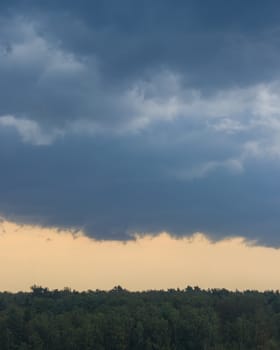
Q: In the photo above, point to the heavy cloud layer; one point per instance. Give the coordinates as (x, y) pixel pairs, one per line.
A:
(121, 117)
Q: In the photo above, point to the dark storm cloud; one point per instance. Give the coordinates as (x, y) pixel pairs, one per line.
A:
(113, 188)
(212, 44)
(124, 117)
(209, 42)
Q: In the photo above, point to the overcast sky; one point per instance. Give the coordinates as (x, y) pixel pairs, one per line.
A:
(125, 117)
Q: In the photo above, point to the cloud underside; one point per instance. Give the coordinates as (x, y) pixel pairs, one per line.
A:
(116, 125)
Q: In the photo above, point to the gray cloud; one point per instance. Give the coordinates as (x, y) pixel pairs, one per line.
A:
(113, 187)
(141, 118)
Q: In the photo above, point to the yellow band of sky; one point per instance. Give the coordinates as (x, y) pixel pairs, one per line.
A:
(33, 255)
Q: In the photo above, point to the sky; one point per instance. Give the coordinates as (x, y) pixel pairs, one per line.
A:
(134, 123)
(31, 255)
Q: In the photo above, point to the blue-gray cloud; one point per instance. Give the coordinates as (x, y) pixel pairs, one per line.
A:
(120, 118)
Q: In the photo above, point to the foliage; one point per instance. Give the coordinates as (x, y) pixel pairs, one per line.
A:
(120, 320)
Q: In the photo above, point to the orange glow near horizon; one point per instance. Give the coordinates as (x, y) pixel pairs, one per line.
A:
(32, 255)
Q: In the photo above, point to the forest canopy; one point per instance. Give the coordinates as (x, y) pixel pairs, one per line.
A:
(121, 320)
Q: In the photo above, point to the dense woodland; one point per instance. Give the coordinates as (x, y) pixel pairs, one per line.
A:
(120, 320)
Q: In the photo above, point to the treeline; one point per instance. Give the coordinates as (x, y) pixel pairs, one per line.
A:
(120, 320)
